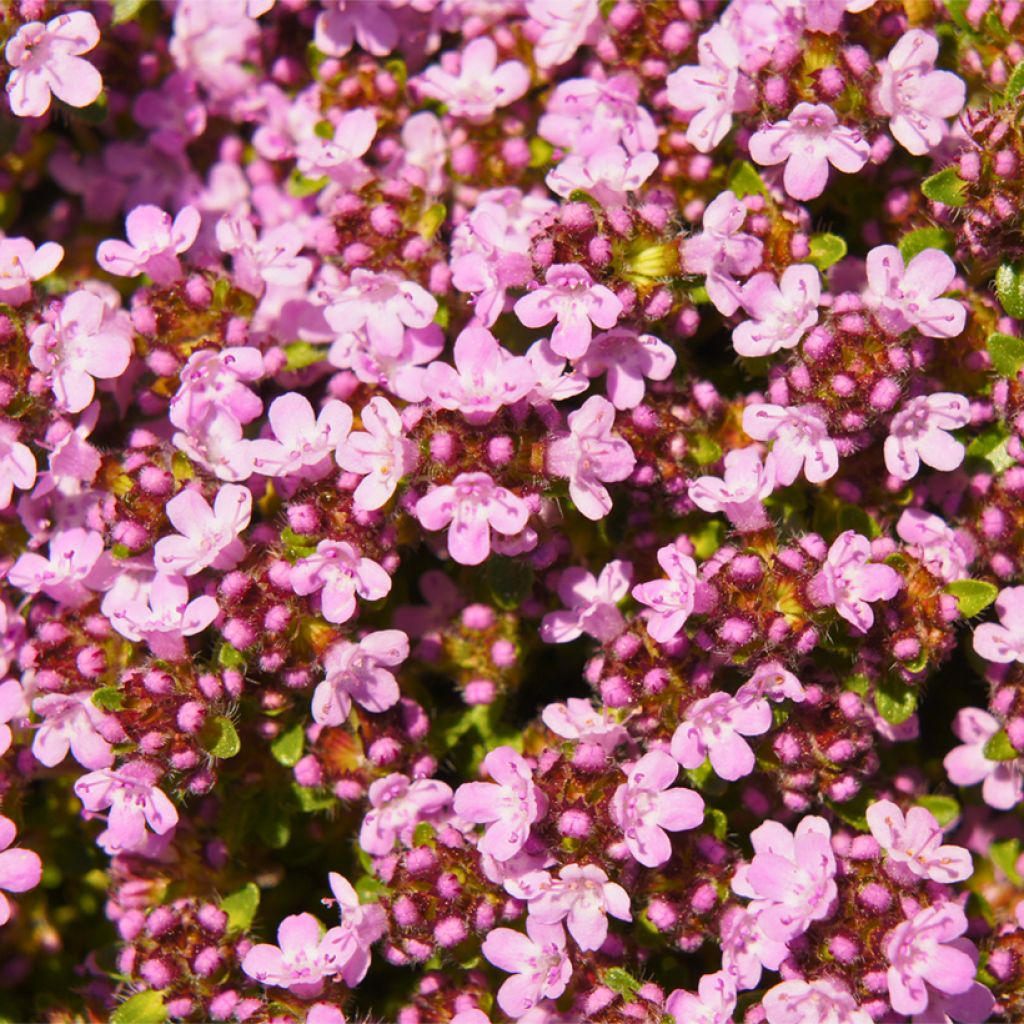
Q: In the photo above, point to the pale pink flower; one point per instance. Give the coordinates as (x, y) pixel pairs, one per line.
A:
(135, 801)
(722, 251)
(927, 951)
(801, 441)
(365, 923)
(915, 96)
(713, 1004)
(396, 808)
(791, 879)
(76, 567)
(849, 580)
(302, 959)
(81, 339)
(71, 721)
(17, 463)
(945, 552)
(782, 313)
(21, 263)
(569, 296)
(821, 1001)
(771, 681)
(508, 806)
(272, 258)
(216, 443)
(73, 461)
(740, 493)
(537, 961)
(673, 600)
(713, 727)
(206, 536)
(304, 441)
(914, 841)
(577, 719)
(551, 382)
(486, 377)
(645, 806)
(592, 604)
(20, 870)
(810, 140)
(359, 671)
(473, 505)
(481, 85)
(381, 454)
(215, 381)
(711, 91)
(338, 157)
(627, 357)
(607, 175)
(153, 246)
(1003, 643)
(565, 25)
(967, 764)
(13, 705)
(47, 59)
(906, 298)
(174, 113)
(919, 433)
(341, 572)
(383, 305)
(344, 22)
(591, 455)
(583, 897)
(746, 950)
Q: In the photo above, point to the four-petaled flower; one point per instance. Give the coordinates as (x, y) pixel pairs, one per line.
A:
(577, 719)
(607, 175)
(782, 313)
(919, 433)
(713, 1004)
(946, 552)
(914, 840)
(364, 922)
(153, 246)
(747, 482)
(21, 263)
(673, 600)
(381, 454)
(73, 722)
(206, 536)
(906, 297)
(583, 897)
(591, 604)
(714, 727)
(20, 870)
(627, 357)
(356, 671)
(1003, 642)
(801, 1002)
(341, 572)
(304, 442)
(537, 961)
(396, 807)
(77, 565)
(801, 441)
(302, 959)
(967, 764)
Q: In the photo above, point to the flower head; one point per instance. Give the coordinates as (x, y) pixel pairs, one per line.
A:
(381, 454)
(672, 600)
(154, 243)
(915, 841)
(583, 897)
(919, 433)
(359, 671)
(338, 570)
(747, 482)
(849, 580)
(801, 441)
(782, 313)
(967, 764)
(396, 807)
(592, 604)
(906, 297)
(714, 727)
(206, 536)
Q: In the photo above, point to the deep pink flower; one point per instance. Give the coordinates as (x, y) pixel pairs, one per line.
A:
(537, 961)
(359, 671)
(480, 87)
(627, 357)
(73, 722)
(1003, 643)
(714, 727)
(713, 1004)
(570, 296)
(304, 441)
(341, 572)
(782, 313)
(740, 494)
(17, 464)
(76, 567)
(592, 604)
(801, 441)
(206, 536)
(919, 433)
(345, 22)
(914, 840)
(472, 505)
(583, 897)
(153, 246)
(645, 806)
(909, 297)
(381, 454)
(20, 870)
(967, 764)
(576, 719)
(946, 552)
(671, 601)
(590, 455)
(607, 175)
(802, 1002)
(396, 807)
(301, 960)
(21, 263)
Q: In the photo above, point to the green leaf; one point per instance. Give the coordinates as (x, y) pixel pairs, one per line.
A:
(230, 657)
(220, 738)
(925, 238)
(945, 809)
(275, 828)
(241, 907)
(707, 539)
(718, 821)
(142, 1008)
(621, 981)
(312, 800)
(94, 113)
(126, 10)
(1006, 353)
(999, 748)
(1004, 855)
(510, 581)
(895, 701)
(945, 187)
(1010, 289)
(108, 698)
(423, 834)
(431, 220)
(541, 152)
(1015, 85)
(704, 450)
(287, 748)
(745, 181)
(972, 596)
(854, 811)
(827, 249)
(301, 354)
(299, 186)
(992, 446)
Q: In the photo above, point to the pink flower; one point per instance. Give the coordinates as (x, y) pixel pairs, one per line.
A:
(809, 141)
(357, 671)
(304, 441)
(76, 567)
(21, 263)
(300, 961)
(383, 305)
(945, 552)
(607, 175)
(746, 950)
(918, 433)
(712, 91)
(349, 21)
(72, 721)
(164, 617)
(20, 870)
(592, 604)
(82, 341)
(967, 764)
(583, 897)
(551, 382)
(473, 505)
(791, 878)
(644, 807)
(915, 96)
(46, 59)
(215, 381)
(153, 245)
(849, 580)
(772, 681)
(341, 572)
(673, 600)
(217, 445)
(272, 259)
(508, 806)
(924, 952)
(713, 1004)
(801, 1002)
(135, 801)
(12, 704)
(714, 727)
(722, 252)
(338, 156)
(366, 923)
(906, 298)
(481, 86)
(17, 464)
(381, 454)
(537, 961)
(565, 25)
(576, 719)
(627, 357)
(590, 455)
(396, 807)
(206, 536)
(740, 494)
(782, 313)
(801, 441)
(1003, 643)
(486, 377)
(915, 841)
(569, 296)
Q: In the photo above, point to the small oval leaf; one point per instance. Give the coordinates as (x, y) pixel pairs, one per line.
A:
(972, 596)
